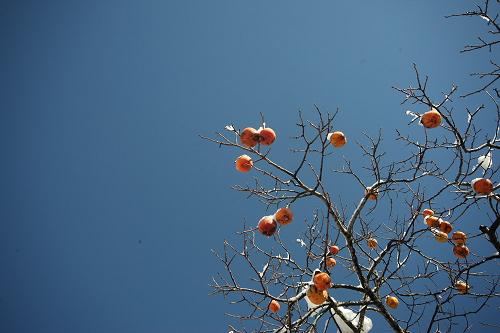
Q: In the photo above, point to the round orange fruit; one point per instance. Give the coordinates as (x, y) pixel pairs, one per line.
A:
(322, 281)
(392, 302)
(244, 163)
(462, 287)
(338, 139)
(267, 225)
(459, 238)
(482, 186)
(316, 296)
(249, 137)
(274, 306)
(431, 119)
(284, 215)
(461, 251)
(330, 262)
(432, 221)
(445, 226)
(334, 249)
(372, 243)
(440, 236)
(267, 136)
(427, 212)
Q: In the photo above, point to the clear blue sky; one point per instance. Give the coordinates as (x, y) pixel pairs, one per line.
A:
(110, 201)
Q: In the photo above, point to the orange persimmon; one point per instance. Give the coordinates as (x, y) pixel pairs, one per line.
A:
(267, 136)
(440, 236)
(284, 215)
(330, 262)
(267, 225)
(462, 287)
(338, 139)
(249, 137)
(459, 238)
(461, 251)
(322, 281)
(482, 186)
(432, 221)
(372, 243)
(334, 249)
(445, 226)
(244, 163)
(427, 212)
(431, 119)
(316, 296)
(392, 302)
(274, 306)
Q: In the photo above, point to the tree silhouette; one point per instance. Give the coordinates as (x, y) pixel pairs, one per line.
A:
(448, 172)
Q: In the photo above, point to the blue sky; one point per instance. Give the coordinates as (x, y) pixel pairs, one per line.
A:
(111, 202)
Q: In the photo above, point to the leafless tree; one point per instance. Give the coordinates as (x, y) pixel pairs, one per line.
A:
(435, 173)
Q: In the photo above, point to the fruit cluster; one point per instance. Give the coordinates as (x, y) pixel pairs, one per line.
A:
(268, 224)
(331, 262)
(318, 292)
(250, 137)
(441, 229)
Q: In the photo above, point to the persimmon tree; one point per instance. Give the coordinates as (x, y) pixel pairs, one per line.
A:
(369, 260)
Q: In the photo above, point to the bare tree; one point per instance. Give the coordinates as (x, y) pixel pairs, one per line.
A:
(389, 262)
